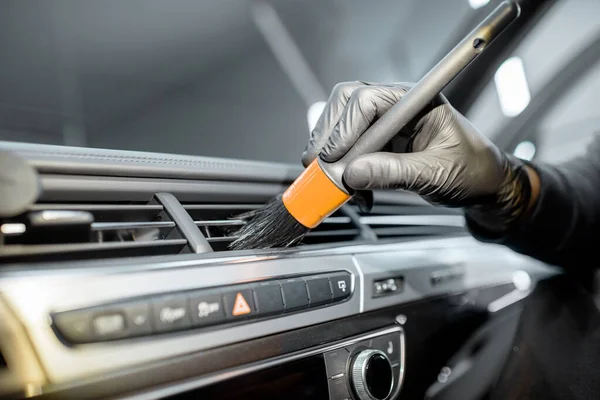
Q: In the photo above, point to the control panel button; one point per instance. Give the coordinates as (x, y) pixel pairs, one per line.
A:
(338, 389)
(295, 294)
(269, 300)
(319, 290)
(335, 362)
(388, 286)
(206, 307)
(341, 285)
(109, 325)
(137, 318)
(390, 345)
(75, 326)
(239, 302)
(170, 313)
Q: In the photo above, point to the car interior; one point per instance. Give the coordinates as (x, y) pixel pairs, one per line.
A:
(117, 282)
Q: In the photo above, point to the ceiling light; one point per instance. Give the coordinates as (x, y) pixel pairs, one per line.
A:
(475, 4)
(512, 87)
(525, 151)
(313, 114)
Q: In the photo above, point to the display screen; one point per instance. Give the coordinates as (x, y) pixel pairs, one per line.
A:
(299, 380)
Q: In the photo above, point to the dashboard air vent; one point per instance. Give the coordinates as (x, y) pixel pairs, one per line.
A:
(63, 231)
(218, 224)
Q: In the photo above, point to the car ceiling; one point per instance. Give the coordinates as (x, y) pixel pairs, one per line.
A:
(124, 73)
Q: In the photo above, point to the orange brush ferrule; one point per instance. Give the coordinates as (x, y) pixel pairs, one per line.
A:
(313, 196)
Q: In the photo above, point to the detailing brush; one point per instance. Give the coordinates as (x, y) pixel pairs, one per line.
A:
(319, 191)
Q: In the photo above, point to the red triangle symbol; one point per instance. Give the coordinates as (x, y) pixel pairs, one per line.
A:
(240, 307)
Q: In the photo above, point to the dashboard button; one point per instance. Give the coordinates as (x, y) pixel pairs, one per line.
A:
(335, 362)
(319, 290)
(340, 283)
(269, 300)
(295, 294)
(206, 307)
(390, 345)
(75, 326)
(109, 324)
(170, 313)
(239, 302)
(137, 318)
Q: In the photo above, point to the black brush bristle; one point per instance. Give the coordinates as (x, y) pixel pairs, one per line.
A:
(268, 227)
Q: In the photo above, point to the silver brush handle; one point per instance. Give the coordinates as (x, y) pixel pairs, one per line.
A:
(413, 102)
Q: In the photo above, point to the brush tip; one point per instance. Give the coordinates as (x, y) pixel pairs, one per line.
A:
(268, 227)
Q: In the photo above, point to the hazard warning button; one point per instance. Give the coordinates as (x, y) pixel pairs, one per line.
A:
(239, 302)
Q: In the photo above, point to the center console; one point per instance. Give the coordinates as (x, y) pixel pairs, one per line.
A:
(365, 367)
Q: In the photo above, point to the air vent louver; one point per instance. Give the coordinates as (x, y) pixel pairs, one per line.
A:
(117, 230)
(402, 221)
(218, 224)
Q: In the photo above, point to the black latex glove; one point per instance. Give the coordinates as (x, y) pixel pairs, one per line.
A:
(445, 160)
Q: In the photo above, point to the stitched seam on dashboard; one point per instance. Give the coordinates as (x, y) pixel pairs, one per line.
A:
(140, 159)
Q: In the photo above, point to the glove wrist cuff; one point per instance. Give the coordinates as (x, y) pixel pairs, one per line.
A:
(510, 204)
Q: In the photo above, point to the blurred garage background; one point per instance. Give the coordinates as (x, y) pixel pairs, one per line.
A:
(246, 79)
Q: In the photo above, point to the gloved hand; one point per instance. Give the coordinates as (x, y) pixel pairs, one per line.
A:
(445, 160)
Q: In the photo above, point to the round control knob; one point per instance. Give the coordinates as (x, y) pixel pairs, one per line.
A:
(372, 376)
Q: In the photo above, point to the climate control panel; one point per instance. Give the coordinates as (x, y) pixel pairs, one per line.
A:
(371, 369)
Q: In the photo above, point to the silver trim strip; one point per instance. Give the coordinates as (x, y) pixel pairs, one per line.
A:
(273, 362)
(361, 291)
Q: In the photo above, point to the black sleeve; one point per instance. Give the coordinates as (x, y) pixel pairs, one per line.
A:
(564, 227)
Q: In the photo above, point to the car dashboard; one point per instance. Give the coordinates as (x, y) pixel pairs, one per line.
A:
(134, 293)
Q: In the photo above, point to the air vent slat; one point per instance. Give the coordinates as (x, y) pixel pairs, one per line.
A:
(221, 222)
(337, 220)
(416, 231)
(109, 212)
(382, 209)
(429, 220)
(221, 239)
(109, 226)
(339, 232)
